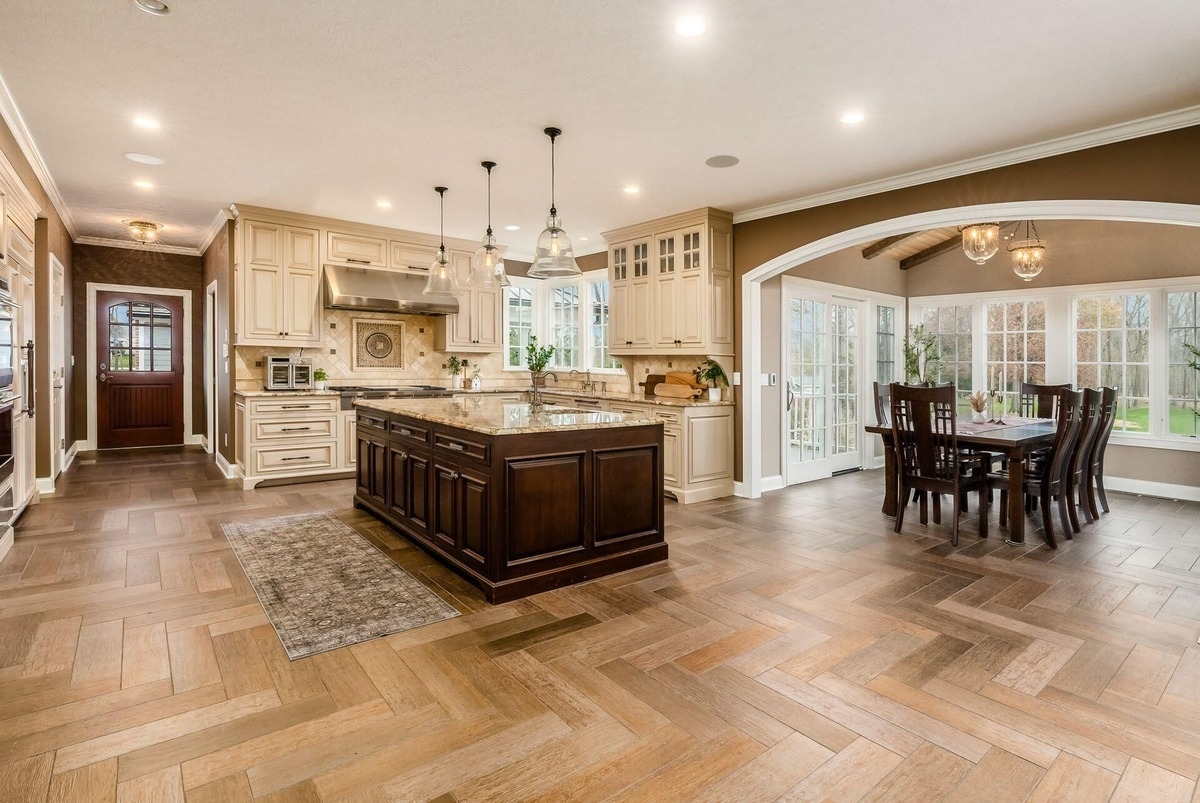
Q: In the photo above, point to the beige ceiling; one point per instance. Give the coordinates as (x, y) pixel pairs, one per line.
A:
(326, 107)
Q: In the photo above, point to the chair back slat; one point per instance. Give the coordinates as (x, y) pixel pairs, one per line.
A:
(924, 431)
(883, 404)
(1089, 430)
(1108, 417)
(1070, 416)
(1039, 401)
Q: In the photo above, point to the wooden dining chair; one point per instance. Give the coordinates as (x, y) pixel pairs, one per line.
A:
(883, 404)
(1090, 422)
(1048, 479)
(1094, 475)
(925, 435)
(1039, 401)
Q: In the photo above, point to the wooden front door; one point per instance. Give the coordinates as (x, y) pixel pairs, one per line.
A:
(139, 384)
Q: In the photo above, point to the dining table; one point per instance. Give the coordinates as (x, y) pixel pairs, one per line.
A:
(1014, 437)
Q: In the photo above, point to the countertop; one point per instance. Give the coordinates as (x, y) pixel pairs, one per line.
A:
(636, 398)
(289, 393)
(496, 417)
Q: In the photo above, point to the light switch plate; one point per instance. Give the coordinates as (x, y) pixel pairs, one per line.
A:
(737, 377)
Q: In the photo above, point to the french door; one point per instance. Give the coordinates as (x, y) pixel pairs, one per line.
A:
(823, 362)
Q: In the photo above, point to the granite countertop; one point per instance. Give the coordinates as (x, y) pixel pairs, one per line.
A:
(636, 398)
(290, 393)
(496, 417)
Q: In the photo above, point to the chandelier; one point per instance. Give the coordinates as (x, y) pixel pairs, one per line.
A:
(1028, 255)
(981, 241)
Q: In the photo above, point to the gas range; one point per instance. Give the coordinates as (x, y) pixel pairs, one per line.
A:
(351, 392)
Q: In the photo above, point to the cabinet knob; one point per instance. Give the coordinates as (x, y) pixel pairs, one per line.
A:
(454, 475)
(403, 455)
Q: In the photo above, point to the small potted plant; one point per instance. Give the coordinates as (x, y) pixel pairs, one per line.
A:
(712, 374)
(979, 400)
(536, 360)
(454, 365)
(922, 355)
(319, 377)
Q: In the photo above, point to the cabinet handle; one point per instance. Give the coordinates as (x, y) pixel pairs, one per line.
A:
(295, 429)
(454, 475)
(458, 447)
(402, 455)
(305, 457)
(358, 261)
(405, 431)
(295, 406)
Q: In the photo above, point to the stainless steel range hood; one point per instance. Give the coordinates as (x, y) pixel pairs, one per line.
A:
(383, 291)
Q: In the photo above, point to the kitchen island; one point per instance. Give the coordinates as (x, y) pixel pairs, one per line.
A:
(516, 499)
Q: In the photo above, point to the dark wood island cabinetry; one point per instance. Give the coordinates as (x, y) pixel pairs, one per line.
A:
(517, 499)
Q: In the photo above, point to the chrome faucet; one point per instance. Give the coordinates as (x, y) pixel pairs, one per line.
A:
(535, 392)
(588, 384)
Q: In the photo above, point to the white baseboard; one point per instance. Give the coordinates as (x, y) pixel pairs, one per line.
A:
(6, 541)
(739, 489)
(1164, 490)
(44, 485)
(70, 457)
(196, 440)
(230, 471)
(774, 483)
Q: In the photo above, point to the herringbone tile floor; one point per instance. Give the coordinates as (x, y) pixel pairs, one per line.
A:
(793, 648)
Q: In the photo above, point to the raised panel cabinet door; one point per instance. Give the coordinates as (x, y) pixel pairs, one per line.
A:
(689, 315)
(264, 301)
(460, 328)
(264, 243)
(417, 489)
(411, 257)
(398, 459)
(302, 305)
(672, 456)
(666, 304)
(300, 248)
(357, 249)
(721, 309)
(362, 476)
(473, 517)
(379, 473)
(443, 528)
(488, 318)
(618, 316)
(710, 447)
(350, 441)
(638, 324)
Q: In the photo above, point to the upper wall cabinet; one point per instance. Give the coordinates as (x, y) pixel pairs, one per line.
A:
(356, 249)
(672, 285)
(411, 257)
(479, 325)
(278, 284)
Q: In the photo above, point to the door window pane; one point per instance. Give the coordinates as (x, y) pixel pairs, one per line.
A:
(139, 337)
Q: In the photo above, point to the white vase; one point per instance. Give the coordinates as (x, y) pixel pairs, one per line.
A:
(714, 394)
(456, 381)
(320, 385)
(979, 418)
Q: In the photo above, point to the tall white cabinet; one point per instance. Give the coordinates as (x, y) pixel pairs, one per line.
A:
(671, 283)
(278, 266)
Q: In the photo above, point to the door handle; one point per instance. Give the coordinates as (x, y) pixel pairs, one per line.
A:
(791, 397)
(103, 377)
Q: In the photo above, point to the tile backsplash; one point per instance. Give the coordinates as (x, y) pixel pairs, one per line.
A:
(425, 365)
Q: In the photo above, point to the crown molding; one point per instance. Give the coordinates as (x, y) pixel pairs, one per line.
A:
(20, 132)
(222, 217)
(1146, 126)
(130, 245)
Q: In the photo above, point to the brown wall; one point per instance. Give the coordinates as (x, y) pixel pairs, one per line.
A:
(218, 267)
(140, 268)
(847, 268)
(51, 237)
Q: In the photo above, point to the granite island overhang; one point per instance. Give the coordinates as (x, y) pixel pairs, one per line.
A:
(517, 499)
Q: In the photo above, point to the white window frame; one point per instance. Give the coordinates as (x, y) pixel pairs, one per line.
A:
(542, 290)
(1061, 363)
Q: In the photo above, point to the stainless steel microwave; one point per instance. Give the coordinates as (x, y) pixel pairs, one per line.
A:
(289, 373)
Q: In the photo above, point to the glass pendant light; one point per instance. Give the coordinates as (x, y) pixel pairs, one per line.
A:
(981, 241)
(487, 263)
(1028, 255)
(442, 276)
(554, 257)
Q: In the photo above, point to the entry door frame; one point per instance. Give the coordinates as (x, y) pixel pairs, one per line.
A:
(58, 370)
(189, 437)
(870, 449)
(210, 367)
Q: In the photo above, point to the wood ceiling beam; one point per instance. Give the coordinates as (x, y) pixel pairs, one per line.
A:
(931, 252)
(879, 246)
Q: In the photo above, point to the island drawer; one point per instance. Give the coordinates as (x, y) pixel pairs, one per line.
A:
(454, 443)
(300, 427)
(279, 459)
(303, 404)
(409, 431)
(370, 421)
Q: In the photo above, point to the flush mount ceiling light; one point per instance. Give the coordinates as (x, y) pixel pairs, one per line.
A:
(1028, 255)
(442, 279)
(143, 230)
(144, 158)
(153, 7)
(690, 26)
(981, 241)
(487, 263)
(722, 160)
(554, 257)
(852, 118)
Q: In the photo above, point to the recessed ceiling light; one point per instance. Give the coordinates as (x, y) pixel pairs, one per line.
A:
(512, 228)
(144, 158)
(145, 185)
(632, 190)
(146, 122)
(724, 160)
(154, 7)
(690, 26)
(583, 239)
(852, 118)
(384, 204)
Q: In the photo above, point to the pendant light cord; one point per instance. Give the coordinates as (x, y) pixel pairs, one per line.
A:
(441, 191)
(489, 231)
(552, 133)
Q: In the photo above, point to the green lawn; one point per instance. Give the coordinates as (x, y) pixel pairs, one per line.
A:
(1183, 422)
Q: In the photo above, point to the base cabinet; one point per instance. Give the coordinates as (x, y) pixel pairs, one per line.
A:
(516, 514)
(289, 437)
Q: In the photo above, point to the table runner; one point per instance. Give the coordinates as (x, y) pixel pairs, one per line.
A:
(968, 427)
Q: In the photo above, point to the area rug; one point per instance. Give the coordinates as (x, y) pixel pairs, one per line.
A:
(324, 586)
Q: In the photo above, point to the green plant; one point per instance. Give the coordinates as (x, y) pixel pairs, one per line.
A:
(922, 355)
(711, 373)
(537, 358)
(319, 375)
(454, 365)
(1195, 350)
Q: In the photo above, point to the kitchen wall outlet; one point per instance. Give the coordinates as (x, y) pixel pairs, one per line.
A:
(737, 377)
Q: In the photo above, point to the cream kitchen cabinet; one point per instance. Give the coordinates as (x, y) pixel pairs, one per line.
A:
(289, 437)
(697, 447)
(279, 298)
(479, 325)
(411, 257)
(672, 285)
(355, 249)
